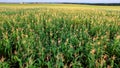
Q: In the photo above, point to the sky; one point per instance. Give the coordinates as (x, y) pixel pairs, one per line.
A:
(77, 1)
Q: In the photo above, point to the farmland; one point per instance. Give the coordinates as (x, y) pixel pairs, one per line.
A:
(59, 36)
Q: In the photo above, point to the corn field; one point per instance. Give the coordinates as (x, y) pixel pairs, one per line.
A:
(59, 36)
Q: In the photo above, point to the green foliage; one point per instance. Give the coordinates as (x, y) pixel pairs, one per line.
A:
(59, 38)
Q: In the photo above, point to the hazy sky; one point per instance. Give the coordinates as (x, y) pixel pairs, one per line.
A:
(81, 1)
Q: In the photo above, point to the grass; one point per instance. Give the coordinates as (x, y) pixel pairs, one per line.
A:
(62, 36)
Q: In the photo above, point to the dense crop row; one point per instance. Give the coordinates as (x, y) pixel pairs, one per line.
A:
(59, 38)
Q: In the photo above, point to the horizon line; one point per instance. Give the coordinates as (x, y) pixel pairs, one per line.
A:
(63, 2)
